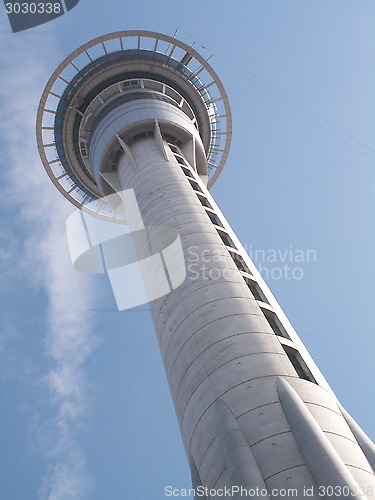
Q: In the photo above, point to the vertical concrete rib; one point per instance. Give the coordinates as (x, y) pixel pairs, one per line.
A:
(324, 462)
(367, 446)
(242, 466)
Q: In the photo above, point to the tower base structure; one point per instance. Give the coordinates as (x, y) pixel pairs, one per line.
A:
(257, 417)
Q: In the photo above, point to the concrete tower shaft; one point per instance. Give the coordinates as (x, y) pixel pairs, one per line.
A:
(240, 384)
(253, 408)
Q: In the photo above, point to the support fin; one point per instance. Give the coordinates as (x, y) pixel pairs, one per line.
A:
(114, 199)
(126, 150)
(195, 479)
(112, 179)
(242, 466)
(159, 140)
(325, 464)
(367, 446)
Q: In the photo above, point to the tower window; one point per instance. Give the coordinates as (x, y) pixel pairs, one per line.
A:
(180, 160)
(214, 218)
(186, 171)
(255, 290)
(129, 83)
(240, 263)
(204, 201)
(171, 139)
(195, 185)
(226, 239)
(298, 364)
(141, 135)
(275, 327)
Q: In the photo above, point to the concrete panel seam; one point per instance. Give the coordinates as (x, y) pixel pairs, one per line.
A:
(253, 444)
(220, 366)
(283, 470)
(323, 406)
(215, 343)
(267, 437)
(205, 286)
(208, 447)
(257, 408)
(217, 479)
(230, 361)
(226, 392)
(340, 435)
(214, 303)
(213, 321)
(360, 468)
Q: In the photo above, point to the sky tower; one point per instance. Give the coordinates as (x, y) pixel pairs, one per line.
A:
(142, 111)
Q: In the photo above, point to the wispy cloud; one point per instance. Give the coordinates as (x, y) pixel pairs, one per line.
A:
(41, 213)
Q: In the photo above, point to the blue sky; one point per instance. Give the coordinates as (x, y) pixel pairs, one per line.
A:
(85, 411)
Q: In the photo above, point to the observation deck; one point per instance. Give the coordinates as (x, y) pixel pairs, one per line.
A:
(114, 72)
